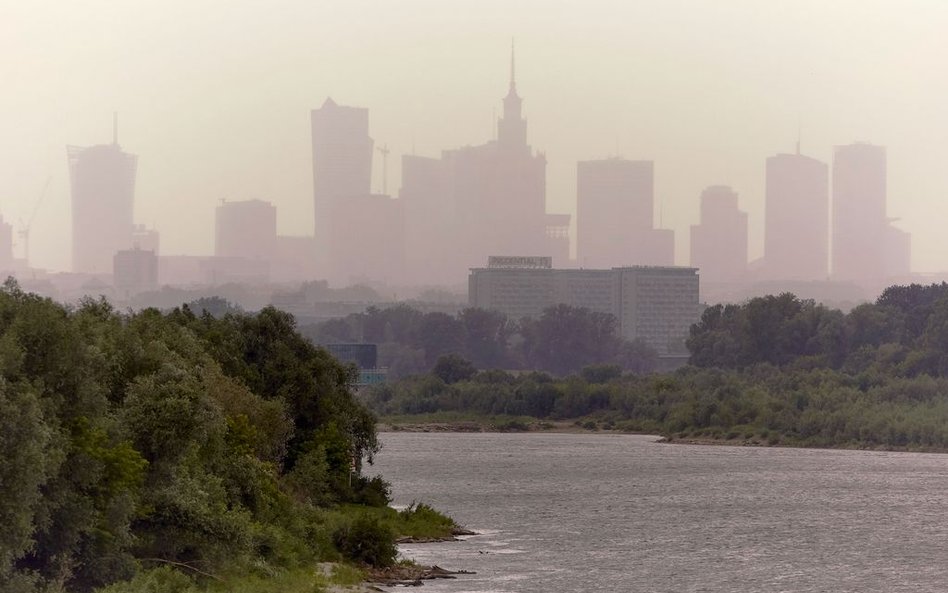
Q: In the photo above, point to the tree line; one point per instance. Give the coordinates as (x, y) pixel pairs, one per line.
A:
(775, 369)
(904, 333)
(562, 340)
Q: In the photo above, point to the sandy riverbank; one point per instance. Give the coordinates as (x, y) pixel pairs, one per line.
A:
(568, 427)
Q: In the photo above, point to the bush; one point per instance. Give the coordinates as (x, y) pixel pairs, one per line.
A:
(374, 492)
(163, 579)
(452, 368)
(368, 541)
(419, 518)
(512, 425)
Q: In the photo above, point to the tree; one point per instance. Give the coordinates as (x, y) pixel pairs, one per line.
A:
(564, 339)
(439, 334)
(452, 368)
(486, 336)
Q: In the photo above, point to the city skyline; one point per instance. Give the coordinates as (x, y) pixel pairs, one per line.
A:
(654, 97)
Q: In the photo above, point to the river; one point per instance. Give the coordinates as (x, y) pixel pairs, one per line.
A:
(570, 513)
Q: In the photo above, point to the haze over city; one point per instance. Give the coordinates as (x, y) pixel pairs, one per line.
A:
(215, 99)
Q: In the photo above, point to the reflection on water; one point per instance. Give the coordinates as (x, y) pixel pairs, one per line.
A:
(576, 513)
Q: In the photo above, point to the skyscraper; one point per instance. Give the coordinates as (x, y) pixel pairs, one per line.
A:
(859, 212)
(615, 207)
(614, 202)
(796, 218)
(102, 180)
(431, 221)
(719, 241)
(478, 201)
(342, 164)
(499, 190)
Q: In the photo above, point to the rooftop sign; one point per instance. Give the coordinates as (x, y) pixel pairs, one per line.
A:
(538, 262)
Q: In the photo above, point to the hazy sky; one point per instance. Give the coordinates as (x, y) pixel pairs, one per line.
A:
(214, 97)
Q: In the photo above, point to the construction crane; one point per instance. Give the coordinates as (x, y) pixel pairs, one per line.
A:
(383, 150)
(24, 231)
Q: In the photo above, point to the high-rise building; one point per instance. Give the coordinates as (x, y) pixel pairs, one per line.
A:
(614, 201)
(796, 218)
(499, 189)
(431, 223)
(860, 227)
(898, 255)
(615, 208)
(246, 229)
(342, 164)
(479, 200)
(102, 180)
(719, 241)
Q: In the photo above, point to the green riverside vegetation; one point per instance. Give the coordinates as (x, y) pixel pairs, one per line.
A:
(773, 370)
(172, 452)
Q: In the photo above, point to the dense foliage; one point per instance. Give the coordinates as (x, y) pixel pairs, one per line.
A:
(132, 442)
(904, 334)
(561, 341)
(775, 369)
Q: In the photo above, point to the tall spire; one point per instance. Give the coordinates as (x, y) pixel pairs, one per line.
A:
(513, 68)
(511, 128)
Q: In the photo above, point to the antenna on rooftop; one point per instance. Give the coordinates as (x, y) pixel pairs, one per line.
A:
(115, 127)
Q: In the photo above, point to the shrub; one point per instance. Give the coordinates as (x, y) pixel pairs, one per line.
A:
(419, 517)
(368, 541)
(163, 579)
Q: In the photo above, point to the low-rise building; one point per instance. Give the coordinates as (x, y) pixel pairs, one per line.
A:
(656, 304)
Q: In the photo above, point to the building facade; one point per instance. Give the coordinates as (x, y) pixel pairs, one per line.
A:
(656, 304)
(134, 271)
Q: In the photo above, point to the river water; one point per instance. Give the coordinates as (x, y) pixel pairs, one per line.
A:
(564, 513)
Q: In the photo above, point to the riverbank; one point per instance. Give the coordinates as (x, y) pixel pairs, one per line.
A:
(500, 424)
(788, 444)
(743, 438)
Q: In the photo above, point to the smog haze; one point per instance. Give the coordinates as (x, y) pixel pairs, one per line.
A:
(215, 98)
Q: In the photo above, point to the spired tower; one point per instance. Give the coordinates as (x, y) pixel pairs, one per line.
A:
(512, 128)
(499, 190)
